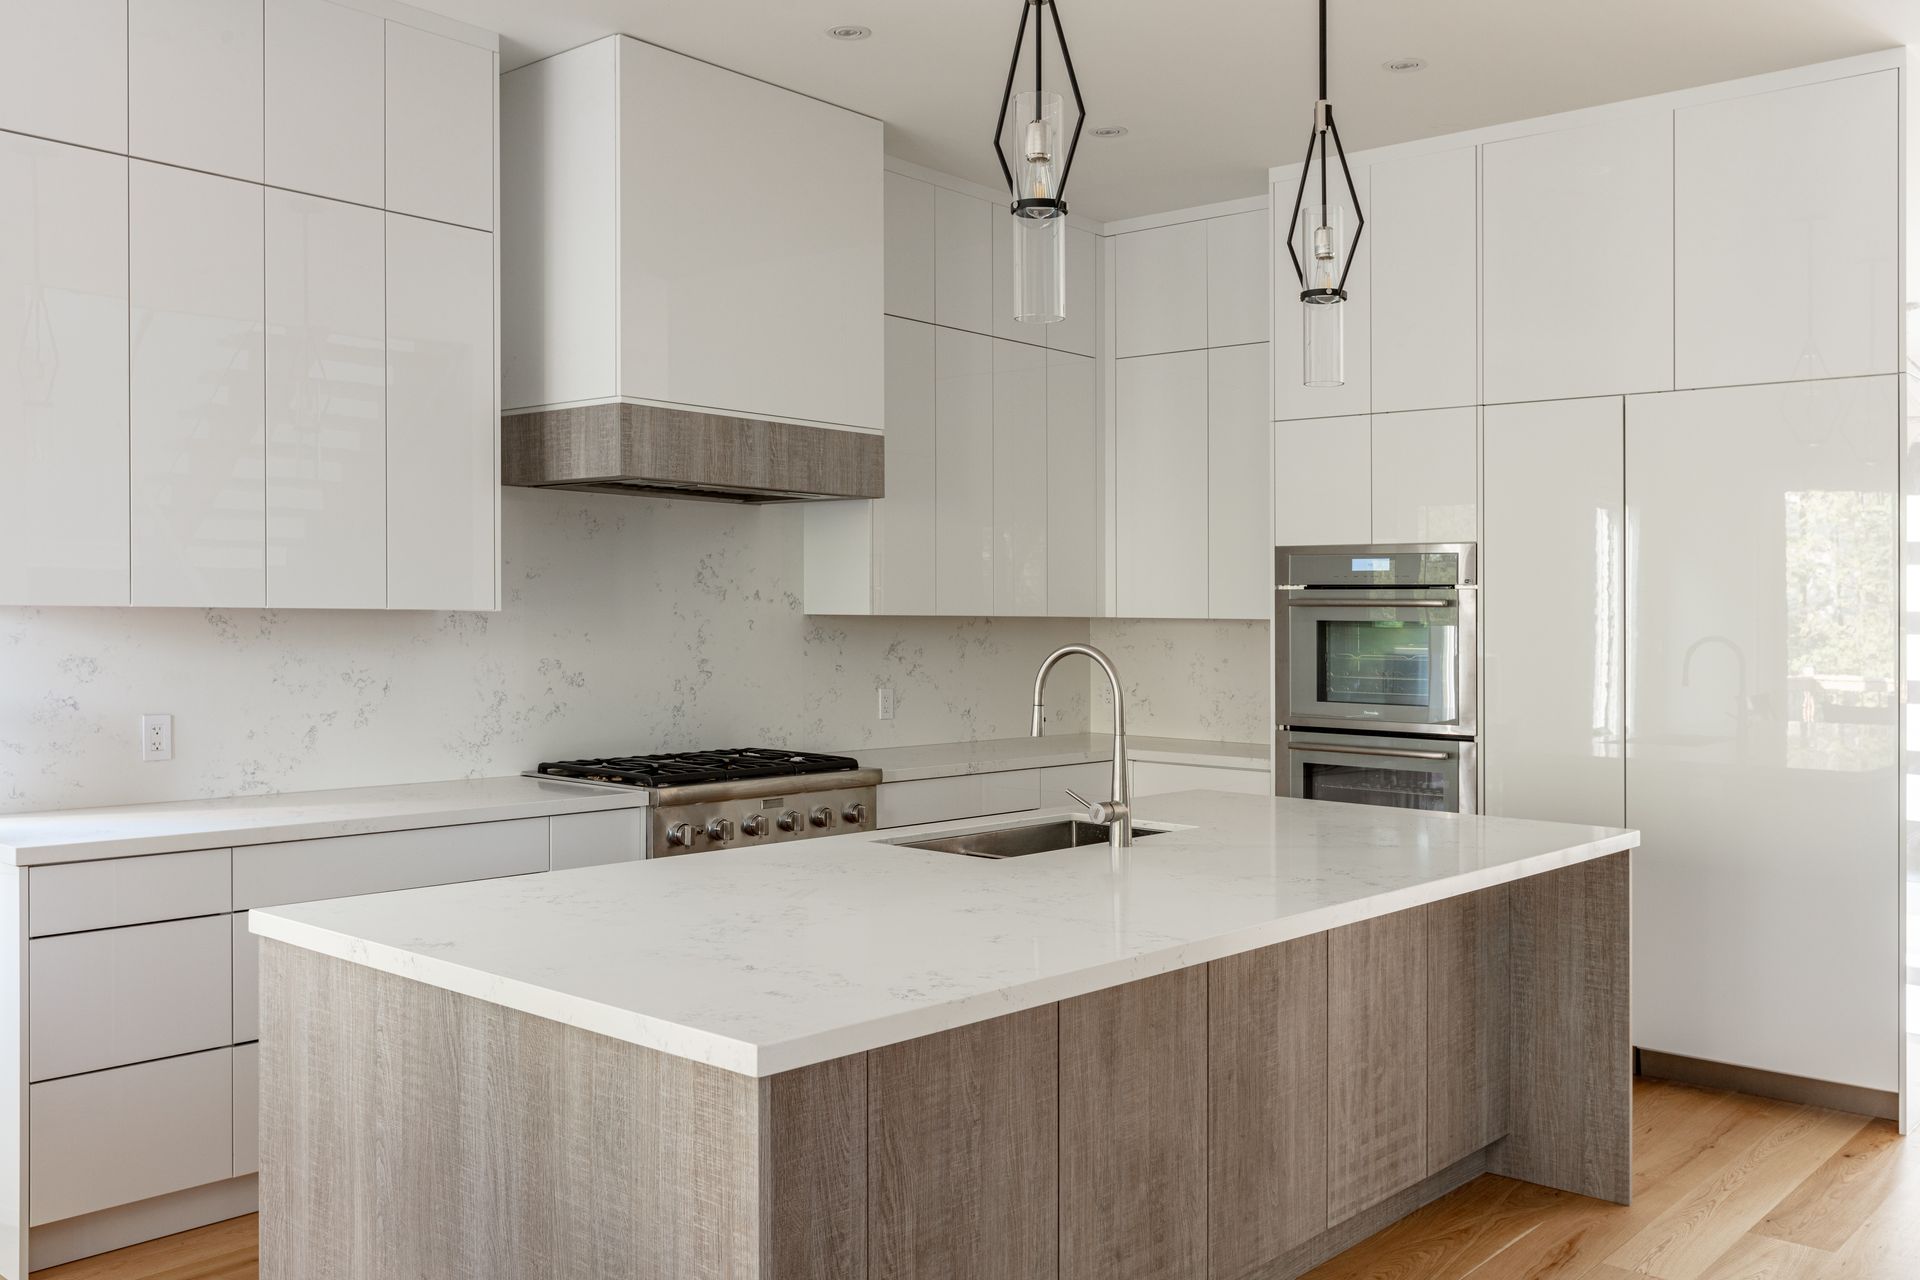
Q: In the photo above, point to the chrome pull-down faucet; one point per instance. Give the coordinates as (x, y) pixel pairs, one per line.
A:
(1115, 814)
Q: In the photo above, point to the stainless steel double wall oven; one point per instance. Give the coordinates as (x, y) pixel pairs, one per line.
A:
(1376, 674)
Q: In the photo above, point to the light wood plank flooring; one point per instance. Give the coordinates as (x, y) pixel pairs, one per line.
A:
(1726, 1187)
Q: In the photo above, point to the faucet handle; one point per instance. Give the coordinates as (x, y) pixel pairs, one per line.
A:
(1077, 798)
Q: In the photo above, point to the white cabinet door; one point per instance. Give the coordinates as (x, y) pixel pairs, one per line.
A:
(1239, 278)
(63, 70)
(439, 154)
(962, 261)
(909, 214)
(976, 795)
(67, 897)
(1093, 781)
(1424, 221)
(1291, 397)
(1552, 687)
(63, 373)
(1160, 429)
(1072, 485)
(194, 84)
(246, 980)
(1239, 510)
(114, 1137)
(326, 100)
(1763, 758)
(197, 393)
(246, 1109)
(905, 521)
(1578, 268)
(1787, 234)
(1019, 479)
(1160, 290)
(1322, 482)
(1079, 331)
(117, 996)
(443, 469)
(1426, 476)
(326, 404)
(1152, 778)
(266, 875)
(963, 534)
(598, 839)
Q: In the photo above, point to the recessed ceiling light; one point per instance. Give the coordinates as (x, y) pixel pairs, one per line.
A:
(1404, 64)
(849, 32)
(1110, 131)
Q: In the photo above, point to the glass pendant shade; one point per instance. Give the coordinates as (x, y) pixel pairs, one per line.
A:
(1322, 320)
(1323, 344)
(1039, 145)
(1039, 218)
(1040, 269)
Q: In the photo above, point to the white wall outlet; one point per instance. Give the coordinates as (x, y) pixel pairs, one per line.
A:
(886, 702)
(156, 737)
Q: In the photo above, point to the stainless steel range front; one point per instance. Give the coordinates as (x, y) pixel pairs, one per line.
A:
(1376, 674)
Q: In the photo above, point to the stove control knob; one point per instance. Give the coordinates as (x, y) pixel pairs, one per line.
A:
(680, 835)
(823, 816)
(754, 824)
(790, 820)
(855, 815)
(719, 830)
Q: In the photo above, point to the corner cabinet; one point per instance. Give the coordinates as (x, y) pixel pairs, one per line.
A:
(237, 394)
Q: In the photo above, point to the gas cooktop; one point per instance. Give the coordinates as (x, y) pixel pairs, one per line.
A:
(692, 768)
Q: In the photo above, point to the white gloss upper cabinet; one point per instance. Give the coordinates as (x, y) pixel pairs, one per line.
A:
(63, 374)
(197, 397)
(1322, 482)
(1787, 234)
(1072, 485)
(1763, 753)
(1552, 554)
(442, 426)
(326, 404)
(1577, 270)
(1239, 510)
(63, 70)
(963, 254)
(195, 76)
(963, 415)
(439, 124)
(904, 520)
(326, 100)
(1292, 398)
(1426, 476)
(1079, 331)
(910, 257)
(1238, 278)
(1160, 290)
(1424, 224)
(1019, 479)
(1160, 428)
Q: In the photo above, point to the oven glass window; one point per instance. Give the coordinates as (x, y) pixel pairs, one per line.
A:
(1389, 788)
(1375, 662)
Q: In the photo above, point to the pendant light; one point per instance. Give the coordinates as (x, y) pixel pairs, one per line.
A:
(1037, 180)
(1318, 231)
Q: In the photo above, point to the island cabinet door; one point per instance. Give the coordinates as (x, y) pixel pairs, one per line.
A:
(1267, 1068)
(1468, 1020)
(963, 1153)
(1133, 1130)
(1377, 1061)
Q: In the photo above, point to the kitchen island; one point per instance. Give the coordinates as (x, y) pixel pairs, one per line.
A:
(1278, 1026)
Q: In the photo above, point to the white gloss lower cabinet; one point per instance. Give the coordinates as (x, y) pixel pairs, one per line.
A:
(1323, 482)
(326, 320)
(973, 795)
(597, 839)
(1763, 762)
(1019, 479)
(120, 996)
(1426, 476)
(246, 980)
(1239, 510)
(1153, 777)
(1160, 429)
(198, 491)
(1553, 685)
(115, 1137)
(266, 875)
(63, 373)
(1072, 486)
(442, 432)
(963, 417)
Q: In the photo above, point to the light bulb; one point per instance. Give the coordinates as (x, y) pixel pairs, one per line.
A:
(1039, 160)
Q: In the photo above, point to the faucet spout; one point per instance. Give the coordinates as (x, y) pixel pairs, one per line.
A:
(1116, 813)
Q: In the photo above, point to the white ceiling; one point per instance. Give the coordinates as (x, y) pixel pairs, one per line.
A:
(1214, 93)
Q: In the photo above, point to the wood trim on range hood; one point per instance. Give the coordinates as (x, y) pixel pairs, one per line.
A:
(648, 449)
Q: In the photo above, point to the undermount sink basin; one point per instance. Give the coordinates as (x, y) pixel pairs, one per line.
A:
(1019, 841)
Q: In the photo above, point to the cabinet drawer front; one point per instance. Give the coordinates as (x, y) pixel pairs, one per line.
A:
(119, 996)
(114, 1137)
(906, 804)
(266, 875)
(1152, 778)
(69, 897)
(246, 1109)
(594, 839)
(246, 981)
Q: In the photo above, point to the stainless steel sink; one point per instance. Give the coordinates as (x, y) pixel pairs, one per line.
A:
(1019, 841)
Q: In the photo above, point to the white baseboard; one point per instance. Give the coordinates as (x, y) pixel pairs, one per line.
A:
(116, 1228)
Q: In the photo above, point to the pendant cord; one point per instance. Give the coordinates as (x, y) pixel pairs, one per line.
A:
(1323, 50)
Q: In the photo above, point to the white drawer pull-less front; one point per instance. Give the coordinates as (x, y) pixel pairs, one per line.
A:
(120, 996)
(67, 897)
(267, 875)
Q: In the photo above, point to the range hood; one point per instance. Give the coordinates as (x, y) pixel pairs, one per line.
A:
(683, 453)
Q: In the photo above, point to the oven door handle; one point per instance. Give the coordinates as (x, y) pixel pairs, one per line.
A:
(1372, 604)
(1385, 753)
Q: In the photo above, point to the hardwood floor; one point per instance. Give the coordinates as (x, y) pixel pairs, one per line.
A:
(1726, 1187)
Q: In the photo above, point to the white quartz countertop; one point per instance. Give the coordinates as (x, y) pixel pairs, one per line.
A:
(78, 835)
(763, 960)
(997, 755)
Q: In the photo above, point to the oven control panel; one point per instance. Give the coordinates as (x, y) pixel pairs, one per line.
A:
(756, 820)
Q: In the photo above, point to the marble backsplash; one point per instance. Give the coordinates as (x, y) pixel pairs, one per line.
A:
(629, 624)
(1188, 679)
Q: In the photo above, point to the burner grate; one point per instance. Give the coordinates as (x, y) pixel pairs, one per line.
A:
(689, 768)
